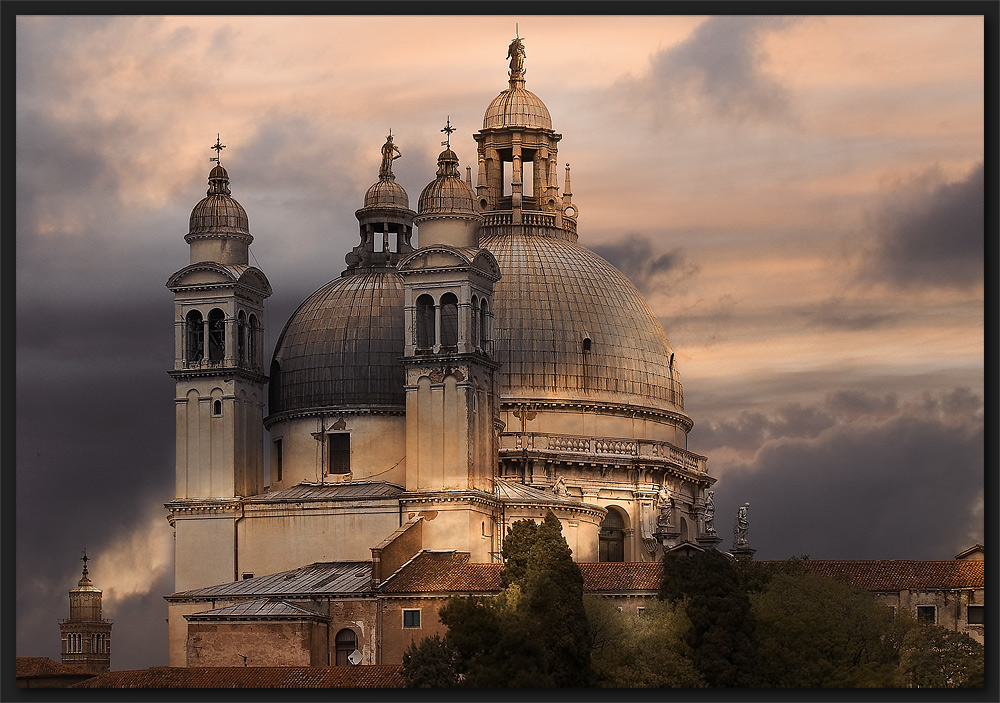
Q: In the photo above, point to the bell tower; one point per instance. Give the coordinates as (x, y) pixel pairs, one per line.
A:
(86, 635)
(220, 385)
(452, 408)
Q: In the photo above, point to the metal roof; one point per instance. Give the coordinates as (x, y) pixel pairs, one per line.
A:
(342, 347)
(259, 609)
(553, 295)
(514, 492)
(319, 579)
(326, 491)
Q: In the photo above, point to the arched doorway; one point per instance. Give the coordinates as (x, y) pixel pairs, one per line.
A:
(611, 546)
(345, 643)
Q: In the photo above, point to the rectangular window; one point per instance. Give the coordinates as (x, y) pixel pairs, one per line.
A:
(411, 618)
(340, 452)
(927, 614)
(247, 575)
(277, 457)
(975, 616)
(640, 611)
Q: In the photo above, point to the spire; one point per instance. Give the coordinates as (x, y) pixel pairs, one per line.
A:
(84, 580)
(447, 129)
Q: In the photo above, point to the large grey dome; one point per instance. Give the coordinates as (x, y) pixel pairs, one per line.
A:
(341, 348)
(553, 296)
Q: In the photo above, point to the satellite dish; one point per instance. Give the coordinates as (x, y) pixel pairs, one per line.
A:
(354, 657)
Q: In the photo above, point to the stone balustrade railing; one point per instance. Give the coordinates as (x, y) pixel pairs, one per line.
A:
(605, 446)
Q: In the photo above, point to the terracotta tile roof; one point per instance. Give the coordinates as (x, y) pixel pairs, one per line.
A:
(622, 576)
(43, 666)
(444, 572)
(887, 575)
(251, 677)
(451, 572)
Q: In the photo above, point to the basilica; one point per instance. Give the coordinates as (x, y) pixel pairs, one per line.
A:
(473, 365)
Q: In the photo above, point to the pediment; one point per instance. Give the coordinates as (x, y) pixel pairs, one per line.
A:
(439, 256)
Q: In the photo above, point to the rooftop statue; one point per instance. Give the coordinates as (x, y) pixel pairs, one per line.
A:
(710, 513)
(515, 52)
(385, 170)
(741, 526)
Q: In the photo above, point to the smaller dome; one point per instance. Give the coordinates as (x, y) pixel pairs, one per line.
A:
(517, 107)
(447, 194)
(218, 212)
(387, 193)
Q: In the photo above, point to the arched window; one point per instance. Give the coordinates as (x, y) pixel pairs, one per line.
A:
(425, 322)
(484, 321)
(216, 335)
(475, 322)
(612, 538)
(195, 346)
(253, 356)
(216, 408)
(449, 320)
(241, 337)
(345, 643)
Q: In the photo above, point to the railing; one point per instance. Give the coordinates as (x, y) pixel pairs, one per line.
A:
(534, 222)
(215, 364)
(605, 446)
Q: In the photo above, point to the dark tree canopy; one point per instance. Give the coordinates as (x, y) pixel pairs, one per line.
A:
(721, 636)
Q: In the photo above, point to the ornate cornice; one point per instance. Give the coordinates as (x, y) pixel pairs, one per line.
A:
(620, 409)
(286, 415)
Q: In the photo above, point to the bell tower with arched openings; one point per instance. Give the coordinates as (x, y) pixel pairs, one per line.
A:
(221, 385)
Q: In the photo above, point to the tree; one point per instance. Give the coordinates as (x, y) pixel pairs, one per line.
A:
(431, 664)
(815, 631)
(721, 634)
(552, 607)
(534, 634)
(934, 657)
(517, 544)
(640, 651)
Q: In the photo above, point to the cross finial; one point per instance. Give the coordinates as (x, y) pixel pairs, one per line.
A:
(218, 146)
(84, 559)
(447, 129)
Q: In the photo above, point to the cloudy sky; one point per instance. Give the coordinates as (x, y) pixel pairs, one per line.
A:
(799, 198)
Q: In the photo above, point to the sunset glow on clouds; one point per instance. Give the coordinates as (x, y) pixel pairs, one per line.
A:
(800, 199)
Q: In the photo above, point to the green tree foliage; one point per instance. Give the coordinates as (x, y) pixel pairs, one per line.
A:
(721, 635)
(934, 657)
(534, 634)
(517, 545)
(552, 610)
(431, 664)
(640, 651)
(814, 631)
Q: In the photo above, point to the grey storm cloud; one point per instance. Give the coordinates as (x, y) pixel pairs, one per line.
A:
(635, 257)
(931, 233)
(720, 68)
(898, 481)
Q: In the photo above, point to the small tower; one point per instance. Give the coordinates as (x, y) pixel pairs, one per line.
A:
(518, 153)
(86, 636)
(386, 221)
(452, 405)
(220, 385)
